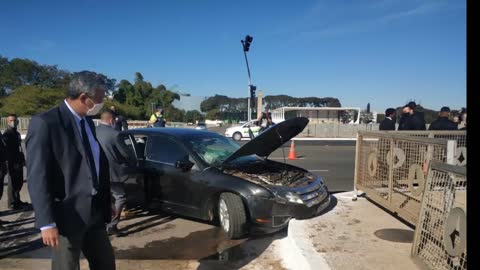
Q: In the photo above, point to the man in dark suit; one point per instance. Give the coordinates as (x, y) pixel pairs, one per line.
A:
(120, 122)
(389, 122)
(3, 170)
(120, 160)
(442, 122)
(410, 120)
(68, 177)
(15, 162)
(419, 117)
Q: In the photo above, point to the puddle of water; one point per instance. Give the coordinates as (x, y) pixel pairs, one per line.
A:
(209, 244)
(396, 235)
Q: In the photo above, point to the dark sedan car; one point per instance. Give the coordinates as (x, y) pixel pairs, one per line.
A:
(205, 175)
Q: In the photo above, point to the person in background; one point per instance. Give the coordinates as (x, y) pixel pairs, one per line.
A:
(120, 160)
(463, 119)
(419, 117)
(389, 122)
(442, 122)
(265, 120)
(409, 119)
(3, 171)
(15, 162)
(120, 121)
(157, 119)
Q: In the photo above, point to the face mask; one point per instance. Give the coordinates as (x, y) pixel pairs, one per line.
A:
(13, 125)
(95, 109)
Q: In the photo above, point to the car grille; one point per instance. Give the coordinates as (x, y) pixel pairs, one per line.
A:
(312, 194)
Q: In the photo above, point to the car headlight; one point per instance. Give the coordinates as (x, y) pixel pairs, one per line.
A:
(287, 196)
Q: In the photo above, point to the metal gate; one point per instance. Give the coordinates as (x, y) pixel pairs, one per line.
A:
(391, 169)
(441, 235)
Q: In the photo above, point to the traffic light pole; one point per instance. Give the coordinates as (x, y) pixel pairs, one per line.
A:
(249, 110)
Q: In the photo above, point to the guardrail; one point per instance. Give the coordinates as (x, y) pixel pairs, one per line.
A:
(441, 235)
(391, 169)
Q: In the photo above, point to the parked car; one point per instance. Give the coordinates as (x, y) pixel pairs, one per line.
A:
(204, 175)
(242, 131)
(201, 126)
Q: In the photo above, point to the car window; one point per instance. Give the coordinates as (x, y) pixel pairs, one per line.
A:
(165, 150)
(213, 149)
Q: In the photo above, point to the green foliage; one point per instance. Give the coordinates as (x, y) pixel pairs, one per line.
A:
(28, 100)
(193, 116)
(27, 88)
(137, 99)
(18, 72)
(212, 114)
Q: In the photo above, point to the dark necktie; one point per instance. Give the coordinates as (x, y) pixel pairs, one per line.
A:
(91, 160)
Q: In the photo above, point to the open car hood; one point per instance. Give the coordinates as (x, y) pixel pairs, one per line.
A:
(271, 139)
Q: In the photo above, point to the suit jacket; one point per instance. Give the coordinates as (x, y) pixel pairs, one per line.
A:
(119, 157)
(13, 144)
(59, 179)
(443, 123)
(387, 124)
(120, 123)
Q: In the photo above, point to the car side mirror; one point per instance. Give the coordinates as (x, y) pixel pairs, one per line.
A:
(184, 165)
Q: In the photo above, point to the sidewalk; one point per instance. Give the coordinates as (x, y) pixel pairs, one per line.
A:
(353, 235)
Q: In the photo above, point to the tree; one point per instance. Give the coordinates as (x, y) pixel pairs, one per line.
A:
(138, 97)
(212, 114)
(193, 116)
(18, 72)
(28, 100)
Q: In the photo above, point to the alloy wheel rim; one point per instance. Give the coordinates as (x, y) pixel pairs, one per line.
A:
(224, 217)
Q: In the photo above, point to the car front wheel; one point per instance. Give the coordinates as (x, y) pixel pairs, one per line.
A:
(232, 216)
(237, 136)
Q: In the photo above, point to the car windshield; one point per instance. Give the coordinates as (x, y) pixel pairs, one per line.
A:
(213, 149)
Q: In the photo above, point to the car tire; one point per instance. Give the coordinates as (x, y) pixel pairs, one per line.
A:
(232, 216)
(237, 136)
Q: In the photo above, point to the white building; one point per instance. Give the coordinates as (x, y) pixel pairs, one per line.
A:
(316, 115)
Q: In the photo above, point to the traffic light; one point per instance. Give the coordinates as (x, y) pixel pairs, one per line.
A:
(252, 88)
(246, 43)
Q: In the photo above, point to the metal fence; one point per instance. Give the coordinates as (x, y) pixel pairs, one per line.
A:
(441, 235)
(458, 135)
(391, 169)
(23, 123)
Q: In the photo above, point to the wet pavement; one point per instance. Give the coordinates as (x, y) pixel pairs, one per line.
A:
(148, 240)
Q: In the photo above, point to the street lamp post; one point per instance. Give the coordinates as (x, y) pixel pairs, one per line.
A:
(251, 88)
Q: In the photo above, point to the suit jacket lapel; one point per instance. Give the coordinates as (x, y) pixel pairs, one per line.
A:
(71, 127)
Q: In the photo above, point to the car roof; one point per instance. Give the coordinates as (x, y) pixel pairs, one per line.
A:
(175, 132)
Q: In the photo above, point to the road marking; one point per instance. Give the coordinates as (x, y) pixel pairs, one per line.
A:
(281, 158)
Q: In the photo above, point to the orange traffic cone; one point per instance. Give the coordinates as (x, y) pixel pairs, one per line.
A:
(292, 154)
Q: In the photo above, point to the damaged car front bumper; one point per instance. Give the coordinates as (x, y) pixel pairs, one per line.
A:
(273, 214)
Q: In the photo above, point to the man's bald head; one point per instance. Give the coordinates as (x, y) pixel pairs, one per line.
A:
(107, 117)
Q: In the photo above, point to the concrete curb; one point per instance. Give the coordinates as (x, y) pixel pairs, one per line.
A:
(300, 253)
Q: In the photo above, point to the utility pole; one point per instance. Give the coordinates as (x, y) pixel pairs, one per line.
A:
(251, 88)
(259, 103)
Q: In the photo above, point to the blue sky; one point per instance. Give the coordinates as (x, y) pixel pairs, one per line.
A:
(385, 52)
